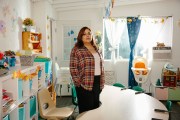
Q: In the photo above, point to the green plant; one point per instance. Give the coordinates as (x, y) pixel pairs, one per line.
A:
(28, 22)
(98, 37)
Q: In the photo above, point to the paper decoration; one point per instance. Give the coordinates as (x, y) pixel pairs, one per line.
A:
(2, 27)
(14, 20)
(6, 10)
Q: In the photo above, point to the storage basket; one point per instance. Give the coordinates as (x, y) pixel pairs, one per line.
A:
(27, 60)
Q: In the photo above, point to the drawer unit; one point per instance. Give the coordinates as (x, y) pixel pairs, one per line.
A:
(161, 93)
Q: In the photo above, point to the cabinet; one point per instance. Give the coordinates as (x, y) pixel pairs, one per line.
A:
(21, 85)
(32, 41)
(167, 93)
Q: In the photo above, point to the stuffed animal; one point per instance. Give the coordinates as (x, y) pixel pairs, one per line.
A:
(1, 55)
(160, 44)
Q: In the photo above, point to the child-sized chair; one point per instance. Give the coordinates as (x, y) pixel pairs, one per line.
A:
(169, 107)
(48, 108)
(119, 85)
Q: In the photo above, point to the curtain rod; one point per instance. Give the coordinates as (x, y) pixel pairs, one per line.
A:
(140, 16)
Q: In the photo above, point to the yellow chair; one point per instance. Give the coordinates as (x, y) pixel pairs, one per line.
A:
(48, 108)
(140, 70)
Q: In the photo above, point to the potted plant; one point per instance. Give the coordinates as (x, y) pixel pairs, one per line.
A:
(29, 24)
(98, 37)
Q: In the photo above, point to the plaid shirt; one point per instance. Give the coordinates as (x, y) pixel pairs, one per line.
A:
(82, 68)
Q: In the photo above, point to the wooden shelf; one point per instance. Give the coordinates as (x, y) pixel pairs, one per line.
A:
(20, 93)
(32, 41)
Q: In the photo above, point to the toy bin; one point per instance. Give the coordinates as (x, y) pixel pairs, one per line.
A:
(27, 60)
(12, 61)
(22, 113)
(6, 117)
(48, 65)
(30, 84)
(32, 106)
(20, 89)
(39, 74)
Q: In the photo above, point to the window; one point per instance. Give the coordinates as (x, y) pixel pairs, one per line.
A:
(152, 30)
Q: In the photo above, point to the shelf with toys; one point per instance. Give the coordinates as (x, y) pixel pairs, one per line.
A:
(31, 41)
(169, 87)
(18, 91)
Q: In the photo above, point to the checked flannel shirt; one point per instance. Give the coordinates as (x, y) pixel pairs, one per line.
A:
(82, 68)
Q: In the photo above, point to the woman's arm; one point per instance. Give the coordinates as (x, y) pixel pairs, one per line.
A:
(74, 63)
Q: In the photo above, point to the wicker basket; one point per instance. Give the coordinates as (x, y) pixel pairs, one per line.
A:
(27, 60)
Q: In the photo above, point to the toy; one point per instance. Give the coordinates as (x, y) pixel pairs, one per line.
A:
(160, 44)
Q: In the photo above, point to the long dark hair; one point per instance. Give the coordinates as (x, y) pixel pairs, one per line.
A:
(80, 43)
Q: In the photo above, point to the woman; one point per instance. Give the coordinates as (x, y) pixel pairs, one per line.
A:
(86, 67)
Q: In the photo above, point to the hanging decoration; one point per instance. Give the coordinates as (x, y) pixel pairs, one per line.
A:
(108, 8)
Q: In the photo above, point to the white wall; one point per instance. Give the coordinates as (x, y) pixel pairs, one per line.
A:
(12, 13)
(89, 17)
(41, 10)
(165, 8)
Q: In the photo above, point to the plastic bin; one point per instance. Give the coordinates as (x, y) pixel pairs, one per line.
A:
(20, 89)
(48, 64)
(6, 117)
(22, 113)
(27, 60)
(32, 106)
(39, 74)
(30, 84)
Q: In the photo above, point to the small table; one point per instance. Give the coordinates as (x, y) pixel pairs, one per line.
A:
(120, 104)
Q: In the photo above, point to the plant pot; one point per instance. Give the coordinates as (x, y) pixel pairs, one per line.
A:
(30, 28)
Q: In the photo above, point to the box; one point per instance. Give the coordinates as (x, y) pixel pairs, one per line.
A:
(20, 89)
(161, 93)
(32, 106)
(30, 84)
(22, 113)
(27, 60)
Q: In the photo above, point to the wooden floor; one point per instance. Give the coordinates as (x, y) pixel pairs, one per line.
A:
(66, 101)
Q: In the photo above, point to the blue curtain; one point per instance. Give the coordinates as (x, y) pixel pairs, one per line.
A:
(133, 24)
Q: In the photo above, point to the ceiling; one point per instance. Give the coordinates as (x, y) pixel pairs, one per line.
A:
(69, 5)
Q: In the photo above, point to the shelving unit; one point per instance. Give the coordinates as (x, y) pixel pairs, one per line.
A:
(32, 41)
(22, 92)
(167, 93)
(162, 54)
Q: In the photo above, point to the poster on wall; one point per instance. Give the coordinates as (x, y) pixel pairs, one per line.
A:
(70, 33)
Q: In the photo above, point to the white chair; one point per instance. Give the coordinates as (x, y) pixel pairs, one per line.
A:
(47, 107)
(62, 79)
(140, 70)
